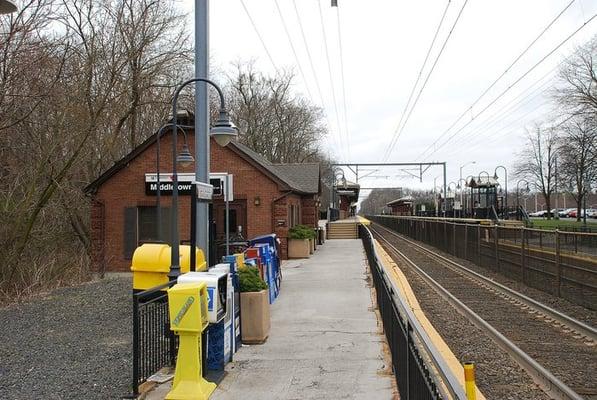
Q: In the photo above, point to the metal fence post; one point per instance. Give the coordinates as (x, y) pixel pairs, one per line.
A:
(445, 236)
(136, 344)
(497, 250)
(558, 264)
(522, 260)
(454, 239)
(465, 241)
(479, 244)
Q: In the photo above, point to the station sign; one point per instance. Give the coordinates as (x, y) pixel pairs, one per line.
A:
(221, 182)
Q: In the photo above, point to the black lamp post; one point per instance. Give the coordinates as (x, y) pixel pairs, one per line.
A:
(183, 156)
(495, 176)
(223, 131)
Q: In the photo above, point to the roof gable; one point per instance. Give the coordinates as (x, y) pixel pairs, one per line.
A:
(299, 178)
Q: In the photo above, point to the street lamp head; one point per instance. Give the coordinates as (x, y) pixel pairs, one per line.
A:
(7, 6)
(223, 130)
(185, 158)
(495, 175)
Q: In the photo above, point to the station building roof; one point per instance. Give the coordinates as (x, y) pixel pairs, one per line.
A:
(303, 178)
(402, 200)
(483, 181)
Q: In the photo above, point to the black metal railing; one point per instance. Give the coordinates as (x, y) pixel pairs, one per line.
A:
(154, 344)
(406, 339)
(563, 264)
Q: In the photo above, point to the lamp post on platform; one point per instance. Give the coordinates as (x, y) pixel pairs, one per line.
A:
(223, 131)
(158, 178)
(495, 176)
(460, 178)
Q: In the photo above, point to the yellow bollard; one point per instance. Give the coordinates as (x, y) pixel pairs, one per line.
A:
(469, 380)
(187, 303)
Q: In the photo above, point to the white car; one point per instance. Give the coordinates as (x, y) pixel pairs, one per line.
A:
(541, 213)
(591, 212)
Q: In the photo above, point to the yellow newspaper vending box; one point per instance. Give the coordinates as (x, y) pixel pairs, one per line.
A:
(187, 304)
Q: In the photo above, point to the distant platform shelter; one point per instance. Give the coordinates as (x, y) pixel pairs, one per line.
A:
(402, 206)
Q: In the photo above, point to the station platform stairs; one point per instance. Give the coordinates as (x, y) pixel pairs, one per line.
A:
(343, 229)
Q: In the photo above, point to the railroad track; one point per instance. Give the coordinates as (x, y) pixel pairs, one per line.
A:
(558, 352)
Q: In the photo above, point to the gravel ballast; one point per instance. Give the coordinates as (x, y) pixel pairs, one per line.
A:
(74, 343)
(570, 361)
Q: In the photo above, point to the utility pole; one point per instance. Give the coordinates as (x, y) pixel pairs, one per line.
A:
(202, 118)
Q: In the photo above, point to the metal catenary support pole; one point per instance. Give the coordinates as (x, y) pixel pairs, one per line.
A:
(202, 118)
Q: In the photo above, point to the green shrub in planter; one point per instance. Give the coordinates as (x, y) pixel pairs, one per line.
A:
(249, 279)
(301, 232)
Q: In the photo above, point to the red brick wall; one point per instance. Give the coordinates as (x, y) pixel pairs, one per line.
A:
(310, 211)
(127, 189)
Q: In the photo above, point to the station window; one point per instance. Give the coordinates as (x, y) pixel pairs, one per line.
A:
(232, 221)
(140, 226)
(294, 215)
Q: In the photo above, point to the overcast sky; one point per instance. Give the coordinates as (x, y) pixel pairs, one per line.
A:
(384, 43)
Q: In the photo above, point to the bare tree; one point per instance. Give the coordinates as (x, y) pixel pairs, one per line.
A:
(73, 99)
(275, 123)
(577, 91)
(536, 162)
(578, 156)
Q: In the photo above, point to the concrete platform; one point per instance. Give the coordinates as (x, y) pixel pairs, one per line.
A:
(324, 341)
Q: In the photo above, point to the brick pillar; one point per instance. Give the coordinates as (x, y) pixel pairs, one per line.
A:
(310, 213)
(281, 231)
(97, 233)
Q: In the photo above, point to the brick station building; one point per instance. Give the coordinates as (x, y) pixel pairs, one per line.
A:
(267, 198)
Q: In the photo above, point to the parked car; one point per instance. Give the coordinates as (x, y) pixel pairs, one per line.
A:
(591, 212)
(574, 213)
(566, 212)
(541, 213)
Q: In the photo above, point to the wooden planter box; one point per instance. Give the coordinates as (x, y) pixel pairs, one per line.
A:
(255, 316)
(299, 248)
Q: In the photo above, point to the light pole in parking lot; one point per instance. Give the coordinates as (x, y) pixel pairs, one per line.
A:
(453, 198)
(518, 195)
(495, 176)
(461, 188)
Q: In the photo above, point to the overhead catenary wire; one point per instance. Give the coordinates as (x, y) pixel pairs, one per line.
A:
(428, 76)
(327, 55)
(514, 104)
(510, 87)
(296, 58)
(412, 91)
(341, 53)
(313, 71)
(469, 109)
(259, 36)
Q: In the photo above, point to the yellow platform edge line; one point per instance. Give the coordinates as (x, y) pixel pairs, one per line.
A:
(363, 220)
(399, 278)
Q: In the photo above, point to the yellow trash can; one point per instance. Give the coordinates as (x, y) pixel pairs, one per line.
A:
(151, 264)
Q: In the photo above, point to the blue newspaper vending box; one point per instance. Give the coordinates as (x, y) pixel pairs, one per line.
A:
(236, 343)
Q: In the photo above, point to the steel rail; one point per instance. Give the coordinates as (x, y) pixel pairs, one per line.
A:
(451, 383)
(549, 383)
(574, 324)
